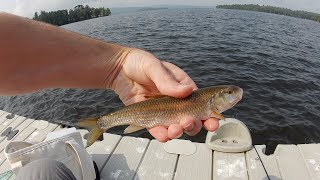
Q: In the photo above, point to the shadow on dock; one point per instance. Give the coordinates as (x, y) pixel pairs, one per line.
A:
(117, 167)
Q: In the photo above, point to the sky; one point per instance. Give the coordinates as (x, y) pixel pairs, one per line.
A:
(27, 8)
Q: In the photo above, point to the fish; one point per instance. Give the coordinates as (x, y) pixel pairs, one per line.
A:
(163, 111)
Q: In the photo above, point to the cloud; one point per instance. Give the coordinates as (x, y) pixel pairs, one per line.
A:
(29, 7)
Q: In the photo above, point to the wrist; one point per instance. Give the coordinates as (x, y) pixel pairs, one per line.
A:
(113, 63)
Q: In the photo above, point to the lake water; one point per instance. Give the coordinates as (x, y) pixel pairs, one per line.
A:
(275, 59)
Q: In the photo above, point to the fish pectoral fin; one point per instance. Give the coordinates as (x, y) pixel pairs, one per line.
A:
(132, 128)
(217, 115)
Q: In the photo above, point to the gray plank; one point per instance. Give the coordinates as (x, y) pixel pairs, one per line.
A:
(157, 164)
(39, 135)
(4, 122)
(4, 166)
(195, 166)
(13, 123)
(255, 168)
(229, 166)
(21, 127)
(32, 134)
(16, 121)
(1, 112)
(311, 156)
(102, 150)
(25, 133)
(291, 163)
(126, 158)
(2, 158)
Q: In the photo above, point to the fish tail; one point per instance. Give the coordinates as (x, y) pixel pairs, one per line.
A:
(94, 130)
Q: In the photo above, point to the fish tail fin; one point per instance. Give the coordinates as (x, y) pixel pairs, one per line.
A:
(94, 130)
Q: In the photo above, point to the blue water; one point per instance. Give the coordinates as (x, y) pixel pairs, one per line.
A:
(275, 59)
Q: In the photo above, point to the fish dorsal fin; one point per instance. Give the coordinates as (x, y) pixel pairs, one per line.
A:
(154, 96)
(132, 128)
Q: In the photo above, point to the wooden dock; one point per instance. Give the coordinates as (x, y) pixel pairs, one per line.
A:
(123, 158)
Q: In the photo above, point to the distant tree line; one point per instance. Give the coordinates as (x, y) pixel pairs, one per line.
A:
(78, 13)
(273, 10)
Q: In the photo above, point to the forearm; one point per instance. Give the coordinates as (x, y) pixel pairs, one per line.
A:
(35, 56)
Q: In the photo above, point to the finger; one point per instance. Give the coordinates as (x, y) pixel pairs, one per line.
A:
(196, 129)
(187, 123)
(211, 124)
(160, 133)
(164, 80)
(181, 76)
(175, 131)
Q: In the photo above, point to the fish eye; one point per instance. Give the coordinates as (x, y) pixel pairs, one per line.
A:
(229, 92)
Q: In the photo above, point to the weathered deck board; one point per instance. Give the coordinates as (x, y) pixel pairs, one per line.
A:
(32, 134)
(4, 166)
(21, 127)
(39, 135)
(4, 122)
(311, 156)
(157, 164)
(126, 159)
(102, 150)
(291, 163)
(1, 112)
(2, 158)
(269, 162)
(16, 121)
(195, 166)
(254, 165)
(229, 166)
(12, 123)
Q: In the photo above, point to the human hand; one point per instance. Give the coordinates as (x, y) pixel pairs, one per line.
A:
(143, 75)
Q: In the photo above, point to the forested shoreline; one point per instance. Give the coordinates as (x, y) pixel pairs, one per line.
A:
(78, 13)
(273, 10)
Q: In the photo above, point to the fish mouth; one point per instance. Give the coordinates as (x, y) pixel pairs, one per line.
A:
(240, 93)
(239, 97)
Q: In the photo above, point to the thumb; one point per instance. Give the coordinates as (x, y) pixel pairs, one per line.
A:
(166, 82)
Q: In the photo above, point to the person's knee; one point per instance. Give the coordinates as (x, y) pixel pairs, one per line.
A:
(45, 169)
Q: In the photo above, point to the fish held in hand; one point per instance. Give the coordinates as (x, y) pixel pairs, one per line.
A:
(201, 105)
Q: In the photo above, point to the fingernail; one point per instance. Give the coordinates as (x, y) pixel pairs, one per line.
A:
(178, 136)
(182, 86)
(189, 127)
